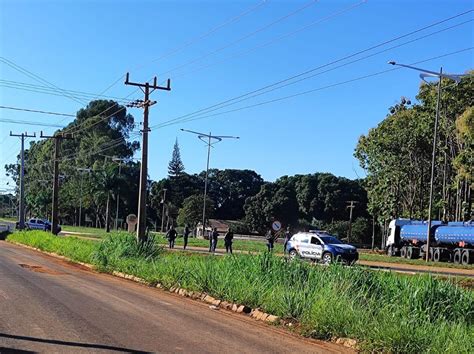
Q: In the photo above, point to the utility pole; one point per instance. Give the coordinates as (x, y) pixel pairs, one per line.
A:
(209, 140)
(350, 207)
(21, 212)
(57, 145)
(116, 159)
(163, 212)
(80, 200)
(145, 104)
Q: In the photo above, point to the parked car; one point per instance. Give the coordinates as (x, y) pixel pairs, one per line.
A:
(321, 247)
(40, 224)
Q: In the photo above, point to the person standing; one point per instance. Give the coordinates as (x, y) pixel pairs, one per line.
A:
(229, 236)
(270, 240)
(215, 236)
(171, 235)
(287, 238)
(186, 233)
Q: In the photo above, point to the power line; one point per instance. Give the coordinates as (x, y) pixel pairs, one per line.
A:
(165, 124)
(240, 39)
(39, 79)
(26, 122)
(256, 93)
(274, 40)
(37, 111)
(191, 42)
(49, 91)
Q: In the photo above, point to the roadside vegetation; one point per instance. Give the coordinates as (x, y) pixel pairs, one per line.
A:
(387, 259)
(383, 311)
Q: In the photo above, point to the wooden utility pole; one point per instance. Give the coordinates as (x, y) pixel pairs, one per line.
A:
(57, 145)
(21, 211)
(350, 206)
(145, 104)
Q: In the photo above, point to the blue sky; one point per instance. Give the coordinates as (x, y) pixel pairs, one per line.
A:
(87, 45)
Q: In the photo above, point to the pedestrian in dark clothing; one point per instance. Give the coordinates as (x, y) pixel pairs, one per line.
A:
(229, 236)
(186, 233)
(209, 234)
(215, 236)
(287, 238)
(171, 235)
(270, 240)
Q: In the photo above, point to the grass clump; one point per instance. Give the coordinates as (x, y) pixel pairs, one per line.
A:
(386, 312)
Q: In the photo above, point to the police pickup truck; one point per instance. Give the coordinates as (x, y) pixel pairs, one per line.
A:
(322, 247)
(39, 224)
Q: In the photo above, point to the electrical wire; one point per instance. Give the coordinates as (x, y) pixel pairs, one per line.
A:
(37, 111)
(49, 91)
(315, 90)
(274, 40)
(26, 122)
(194, 40)
(246, 36)
(222, 103)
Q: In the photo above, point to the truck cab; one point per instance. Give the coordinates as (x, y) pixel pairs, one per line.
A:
(393, 235)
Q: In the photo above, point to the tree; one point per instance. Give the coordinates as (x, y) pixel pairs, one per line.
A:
(191, 212)
(97, 128)
(230, 188)
(175, 166)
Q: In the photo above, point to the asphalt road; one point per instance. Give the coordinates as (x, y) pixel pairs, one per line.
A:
(48, 305)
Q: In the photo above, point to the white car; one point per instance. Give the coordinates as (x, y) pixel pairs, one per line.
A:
(321, 246)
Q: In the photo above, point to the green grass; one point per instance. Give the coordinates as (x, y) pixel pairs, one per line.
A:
(242, 245)
(8, 219)
(91, 231)
(421, 262)
(384, 311)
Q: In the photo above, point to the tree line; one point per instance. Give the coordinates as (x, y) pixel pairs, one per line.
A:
(397, 155)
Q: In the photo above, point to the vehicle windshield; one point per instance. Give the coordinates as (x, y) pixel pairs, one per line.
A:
(330, 240)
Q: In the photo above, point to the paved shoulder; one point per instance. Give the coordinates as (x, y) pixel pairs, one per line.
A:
(49, 306)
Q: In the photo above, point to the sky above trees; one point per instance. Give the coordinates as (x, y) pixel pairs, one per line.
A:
(88, 45)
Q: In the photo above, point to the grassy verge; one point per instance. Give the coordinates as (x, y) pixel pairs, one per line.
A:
(387, 259)
(90, 231)
(384, 311)
(242, 245)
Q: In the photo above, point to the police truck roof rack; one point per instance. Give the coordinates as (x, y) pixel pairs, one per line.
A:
(318, 231)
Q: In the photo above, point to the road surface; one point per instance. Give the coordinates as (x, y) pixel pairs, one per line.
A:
(48, 305)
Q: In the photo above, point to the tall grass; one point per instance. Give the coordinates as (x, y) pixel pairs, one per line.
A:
(384, 311)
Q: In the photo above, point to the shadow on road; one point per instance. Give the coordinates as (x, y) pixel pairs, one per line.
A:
(60, 342)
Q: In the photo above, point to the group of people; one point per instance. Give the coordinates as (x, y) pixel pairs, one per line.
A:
(270, 236)
(172, 235)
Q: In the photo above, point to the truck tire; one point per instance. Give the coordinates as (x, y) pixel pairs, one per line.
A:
(457, 256)
(403, 252)
(466, 257)
(436, 255)
(410, 252)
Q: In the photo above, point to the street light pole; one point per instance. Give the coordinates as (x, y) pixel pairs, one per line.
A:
(209, 140)
(440, 76)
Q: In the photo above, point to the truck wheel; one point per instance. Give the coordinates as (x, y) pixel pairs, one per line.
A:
(457, 257)
(403, 252)
(437, 255)
(465, 258)
(410, 253)
(327, 258)
(391, 251)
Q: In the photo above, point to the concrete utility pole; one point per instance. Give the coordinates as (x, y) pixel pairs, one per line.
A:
(57, 145)
(209, 140)
(119, 160)
(163, 212)
(440, 76)
(21, 211)
(145, 104)
(350, 207)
